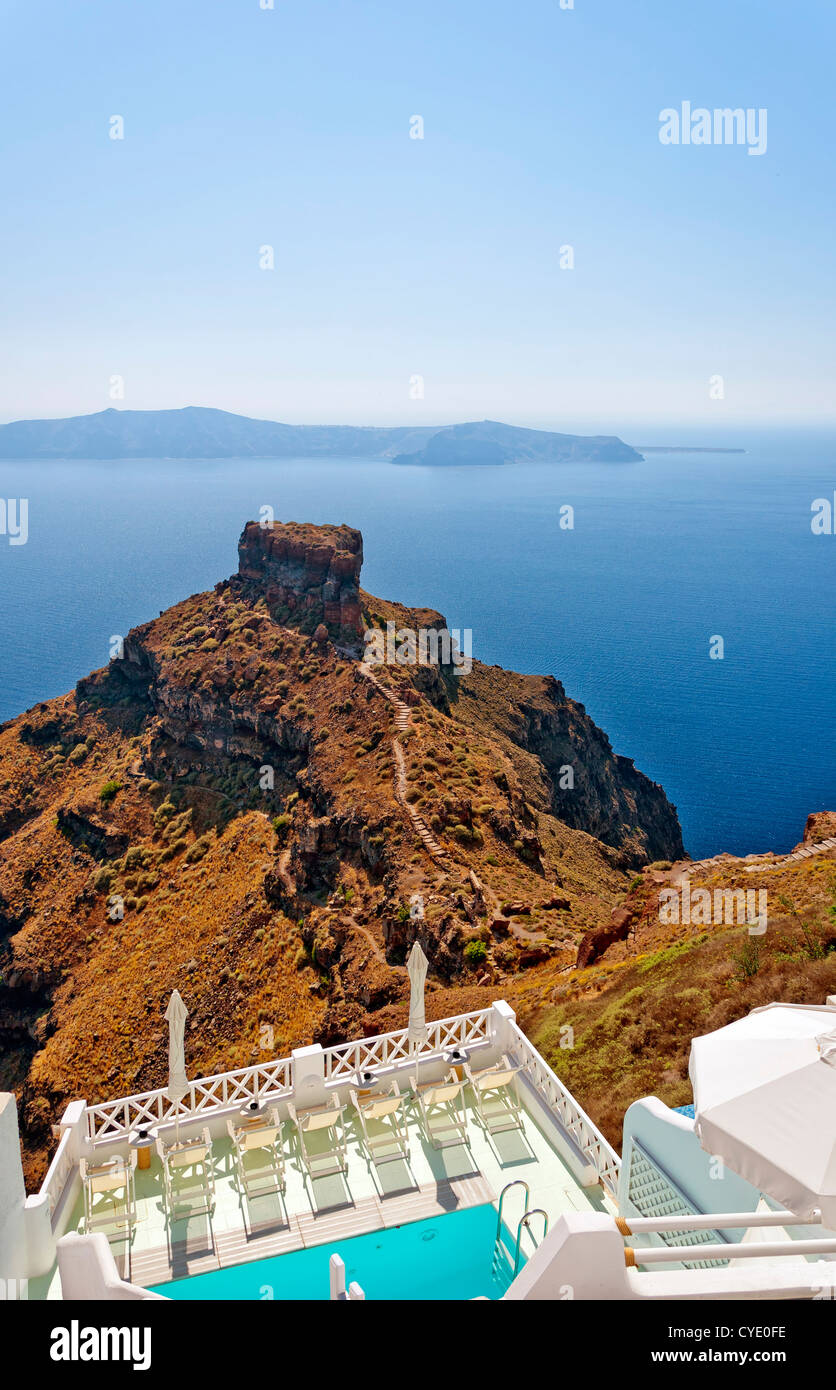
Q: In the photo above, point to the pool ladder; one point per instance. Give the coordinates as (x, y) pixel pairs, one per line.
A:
(523, 1222)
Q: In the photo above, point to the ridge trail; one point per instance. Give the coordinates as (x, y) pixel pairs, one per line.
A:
(403, 721)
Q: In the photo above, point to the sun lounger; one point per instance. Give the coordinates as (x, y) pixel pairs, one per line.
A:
(187, 1170)
(321, 1132)
(497, 1097)
(382, 1122)
(442, 1109)
(109, 1198)
(259, 1153)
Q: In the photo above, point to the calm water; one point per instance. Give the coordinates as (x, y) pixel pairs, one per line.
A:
(448, 1257)
(664, 555)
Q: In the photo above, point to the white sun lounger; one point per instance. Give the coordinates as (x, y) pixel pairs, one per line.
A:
(321, 1131)
(443, 1110)
(109, 1198)
(382, 1122)
(497, 1096)
(187, 1171)
(259, 1153)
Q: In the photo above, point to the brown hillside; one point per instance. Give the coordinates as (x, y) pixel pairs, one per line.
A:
(235, 808)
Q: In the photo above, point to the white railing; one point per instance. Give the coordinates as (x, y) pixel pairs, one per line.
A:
(577, 1124)
(58, 1172)
(114, 1119)
(389, 1049)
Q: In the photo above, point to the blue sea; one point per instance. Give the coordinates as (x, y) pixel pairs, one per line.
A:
(664, 555)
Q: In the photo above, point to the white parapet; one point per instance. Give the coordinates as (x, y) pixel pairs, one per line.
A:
(14, 1257)
(88, 1272)
(584, 1257)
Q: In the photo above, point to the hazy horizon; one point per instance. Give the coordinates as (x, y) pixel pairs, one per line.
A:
(439, 260)
(654, 428)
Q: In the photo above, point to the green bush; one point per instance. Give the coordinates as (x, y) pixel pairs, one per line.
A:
(475, 953)
(281, 825)
(109, 791)
(200, 848)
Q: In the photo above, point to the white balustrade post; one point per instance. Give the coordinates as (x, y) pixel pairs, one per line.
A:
(502, 1016)
(308, 1075)
(355, 1293)
(336, 1275)
(74, 1119)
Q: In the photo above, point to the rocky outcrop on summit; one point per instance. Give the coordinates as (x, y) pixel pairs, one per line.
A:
(310, 574)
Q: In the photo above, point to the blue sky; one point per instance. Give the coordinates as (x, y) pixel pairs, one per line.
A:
(397, 257)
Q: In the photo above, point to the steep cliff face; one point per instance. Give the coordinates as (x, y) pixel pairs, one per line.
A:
(308, 574)
(236, 809)
(568, 764)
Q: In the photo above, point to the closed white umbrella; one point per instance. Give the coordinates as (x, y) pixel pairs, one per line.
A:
(765, 1102)
(178, 1083)
(416, 968)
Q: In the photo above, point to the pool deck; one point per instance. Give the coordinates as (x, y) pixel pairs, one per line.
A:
(367, 1197)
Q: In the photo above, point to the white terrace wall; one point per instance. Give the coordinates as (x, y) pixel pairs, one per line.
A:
(14, 1259)
(308, 1077)
(29, 1226)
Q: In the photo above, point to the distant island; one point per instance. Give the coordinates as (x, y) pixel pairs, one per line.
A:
(492, 442)
(197, 432)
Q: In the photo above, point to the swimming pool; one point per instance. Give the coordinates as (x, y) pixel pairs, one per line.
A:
(448, 1257)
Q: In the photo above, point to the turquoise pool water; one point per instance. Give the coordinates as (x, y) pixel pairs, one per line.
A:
(449, 1257)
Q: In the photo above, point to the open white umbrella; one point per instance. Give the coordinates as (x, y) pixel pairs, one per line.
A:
(765, 1102)
(416, 968)
(178, 1083)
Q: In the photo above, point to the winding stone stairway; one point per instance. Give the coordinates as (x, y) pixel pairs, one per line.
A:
(403, 720)
(821, 847)
(762, 866)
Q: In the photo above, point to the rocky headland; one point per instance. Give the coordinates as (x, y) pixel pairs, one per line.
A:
(241, 807)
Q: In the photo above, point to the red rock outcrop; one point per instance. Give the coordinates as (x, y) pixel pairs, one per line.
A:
(594, 943)
(821, 825)
(310, 574)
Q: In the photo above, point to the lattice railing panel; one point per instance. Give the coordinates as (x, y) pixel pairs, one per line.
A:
(388, 1049)
(577, 1124)
(115, 1119)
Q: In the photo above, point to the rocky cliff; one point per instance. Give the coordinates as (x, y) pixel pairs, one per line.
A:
(307, 574)
(240, 807)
